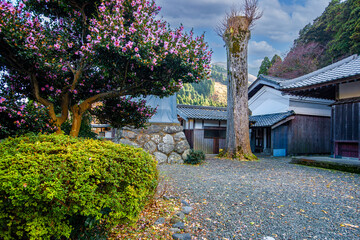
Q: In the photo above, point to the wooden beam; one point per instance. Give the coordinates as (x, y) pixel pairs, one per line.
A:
(283, 121)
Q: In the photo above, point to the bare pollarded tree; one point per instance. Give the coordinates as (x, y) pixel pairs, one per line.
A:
(235, 31)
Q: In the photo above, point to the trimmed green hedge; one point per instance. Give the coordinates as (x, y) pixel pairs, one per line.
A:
(55, 186)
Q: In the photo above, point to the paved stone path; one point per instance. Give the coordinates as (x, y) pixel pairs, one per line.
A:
(269, 198)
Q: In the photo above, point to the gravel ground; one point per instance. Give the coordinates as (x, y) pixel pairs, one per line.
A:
(252, 200)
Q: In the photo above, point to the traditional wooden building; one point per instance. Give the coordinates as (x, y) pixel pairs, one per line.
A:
(204, 127)
(286, 124)
(279, 134)
(339, 82)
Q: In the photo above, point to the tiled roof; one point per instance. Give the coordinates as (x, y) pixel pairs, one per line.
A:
(343, 69)
(201, 112)
(220, 113)
(272, 79)
(269, 120)
(264, 80)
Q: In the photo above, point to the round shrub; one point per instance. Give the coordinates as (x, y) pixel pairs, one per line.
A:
(56, 186)
(195, 157)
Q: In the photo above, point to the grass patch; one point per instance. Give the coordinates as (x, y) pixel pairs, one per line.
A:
(327, 165)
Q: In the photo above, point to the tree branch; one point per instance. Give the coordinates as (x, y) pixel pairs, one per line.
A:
(96, 98)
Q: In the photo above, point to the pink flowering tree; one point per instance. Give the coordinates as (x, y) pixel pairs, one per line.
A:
(68, 55)
(17, 115)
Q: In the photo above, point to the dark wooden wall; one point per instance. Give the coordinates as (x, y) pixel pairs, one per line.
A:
(309, 135)
(346, 129)
(346, 122)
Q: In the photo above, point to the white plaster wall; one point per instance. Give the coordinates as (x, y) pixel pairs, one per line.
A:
(198, 124)
(267, 101)
(306, 107)
(211, 123)
(349, 90)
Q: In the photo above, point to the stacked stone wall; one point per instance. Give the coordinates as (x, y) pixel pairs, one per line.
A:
(167, 142)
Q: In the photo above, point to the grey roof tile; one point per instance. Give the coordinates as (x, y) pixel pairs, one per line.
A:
(202, 112)
(220, 113)
(269, 120)
(345, 68)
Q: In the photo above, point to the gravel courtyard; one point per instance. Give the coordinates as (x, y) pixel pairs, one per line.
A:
(252, 200)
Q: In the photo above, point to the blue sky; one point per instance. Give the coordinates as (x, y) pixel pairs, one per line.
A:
(273, 34)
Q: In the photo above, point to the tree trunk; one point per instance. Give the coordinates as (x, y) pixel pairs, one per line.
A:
(76, 121)
(237, 132)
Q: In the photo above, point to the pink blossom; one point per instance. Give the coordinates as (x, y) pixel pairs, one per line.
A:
(2, 99)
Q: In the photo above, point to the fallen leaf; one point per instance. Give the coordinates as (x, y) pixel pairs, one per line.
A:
(348, 225)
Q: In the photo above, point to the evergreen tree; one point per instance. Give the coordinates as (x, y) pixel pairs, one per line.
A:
(264, 67)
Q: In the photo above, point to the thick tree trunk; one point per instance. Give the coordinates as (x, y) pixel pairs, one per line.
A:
(76, 121)
(238, 141)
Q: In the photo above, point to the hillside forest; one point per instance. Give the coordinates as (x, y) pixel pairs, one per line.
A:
(204, 93)
(331, 37)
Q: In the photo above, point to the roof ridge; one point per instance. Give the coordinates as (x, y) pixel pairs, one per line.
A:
(319, 71)
(287, 112)
(272, 77)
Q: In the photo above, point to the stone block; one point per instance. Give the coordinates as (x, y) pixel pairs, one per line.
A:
(179, 136)
(128, 134)
(166, 148)
(182, 146)
(142, 139)
(173, 129)
(128, 142)
(156, 138)
(160, 157)
(150, 146)
(154, 129)
(175, 158)
(168, 139)
(185, 154)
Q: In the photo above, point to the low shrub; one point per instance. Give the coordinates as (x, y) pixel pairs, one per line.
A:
(195, 157)
(56, 186)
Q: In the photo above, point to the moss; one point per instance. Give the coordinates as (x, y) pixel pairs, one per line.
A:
(327, 165)
(238, 155)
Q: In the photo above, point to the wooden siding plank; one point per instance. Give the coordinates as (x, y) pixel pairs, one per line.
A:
(309, 135)
(205, 145)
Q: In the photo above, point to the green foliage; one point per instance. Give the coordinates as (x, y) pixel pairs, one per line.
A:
(205, 87)
(189, 96)
(195, 157)
(202, 93)
(85, 128)
(264, 67)
(336, 33)
(56, 186)
(219, 74)
(276, 59)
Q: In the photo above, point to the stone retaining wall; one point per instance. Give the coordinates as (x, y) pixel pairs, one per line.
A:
(167, 142)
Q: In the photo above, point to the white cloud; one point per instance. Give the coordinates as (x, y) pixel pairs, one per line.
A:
(255, 63)
(251, 78)
(261, 48)
(283, 22)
